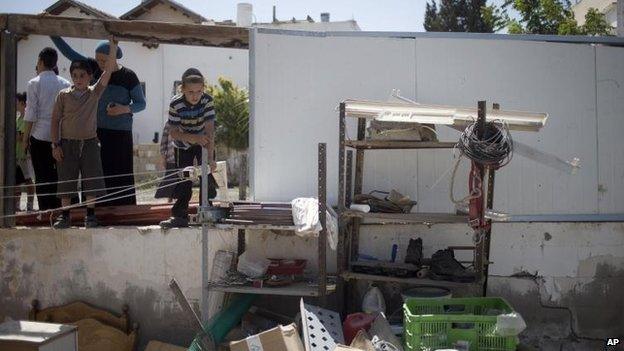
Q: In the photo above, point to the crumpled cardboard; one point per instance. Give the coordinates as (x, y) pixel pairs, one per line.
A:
(280, 338)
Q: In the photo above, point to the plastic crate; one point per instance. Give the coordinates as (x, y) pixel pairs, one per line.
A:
(432, 324)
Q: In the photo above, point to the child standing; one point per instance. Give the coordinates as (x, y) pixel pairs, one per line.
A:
(42, 93)
(191, 120)
(24, 173)
(74, 134)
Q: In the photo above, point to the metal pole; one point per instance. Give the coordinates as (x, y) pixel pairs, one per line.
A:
(357, 189)
(8, 74)
(242, 195)
(205, 301)
(322, 239)
(341, 158)
(349, 180)
(489, 203)
(479, 252)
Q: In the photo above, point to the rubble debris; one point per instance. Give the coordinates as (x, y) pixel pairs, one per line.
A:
(280, 338)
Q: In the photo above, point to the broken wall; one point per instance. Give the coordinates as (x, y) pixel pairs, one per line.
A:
(107, 267)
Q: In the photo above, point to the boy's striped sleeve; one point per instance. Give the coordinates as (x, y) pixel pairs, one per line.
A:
(174, 116)
(209, 111)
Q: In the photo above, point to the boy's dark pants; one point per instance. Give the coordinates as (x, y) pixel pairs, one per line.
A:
(44, 166)
(183, 191)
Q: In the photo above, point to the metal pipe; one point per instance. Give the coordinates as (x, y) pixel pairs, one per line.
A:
(440, 114)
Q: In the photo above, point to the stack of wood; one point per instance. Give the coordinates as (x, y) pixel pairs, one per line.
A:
(254, 213)
(146, 214)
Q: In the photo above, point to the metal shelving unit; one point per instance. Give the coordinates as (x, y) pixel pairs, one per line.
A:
(319, 290)
(350, 221)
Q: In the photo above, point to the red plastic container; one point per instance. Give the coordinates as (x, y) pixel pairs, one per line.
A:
(354, 323)
(286, 267)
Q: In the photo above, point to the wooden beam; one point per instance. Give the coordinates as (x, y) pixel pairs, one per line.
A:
(141, 31)
(3, 22)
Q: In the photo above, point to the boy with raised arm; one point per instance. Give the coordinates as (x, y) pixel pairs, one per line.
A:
(75, 145)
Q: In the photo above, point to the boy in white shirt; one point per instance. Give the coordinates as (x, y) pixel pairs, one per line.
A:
(42, 91)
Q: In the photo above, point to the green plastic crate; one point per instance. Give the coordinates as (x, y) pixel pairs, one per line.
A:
(432, 324)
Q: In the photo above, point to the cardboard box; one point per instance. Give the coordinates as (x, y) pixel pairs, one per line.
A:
(280, 338)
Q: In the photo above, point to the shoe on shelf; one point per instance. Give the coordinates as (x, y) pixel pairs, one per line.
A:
(444, 266)
(175, 222)
(62, 222)
(414, 252)
(91, 221)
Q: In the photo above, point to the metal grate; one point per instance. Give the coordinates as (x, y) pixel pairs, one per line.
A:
(322, 329)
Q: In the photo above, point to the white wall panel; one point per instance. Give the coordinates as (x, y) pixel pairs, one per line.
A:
(545, 77)
(299, 82)
(610, 100)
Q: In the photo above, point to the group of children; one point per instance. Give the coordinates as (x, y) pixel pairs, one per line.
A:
(74, 140)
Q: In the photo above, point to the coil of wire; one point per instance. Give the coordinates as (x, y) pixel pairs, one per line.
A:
(495, 150)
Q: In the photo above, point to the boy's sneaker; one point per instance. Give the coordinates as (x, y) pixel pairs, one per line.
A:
(62, 222)
(91, 221)
(175, 222)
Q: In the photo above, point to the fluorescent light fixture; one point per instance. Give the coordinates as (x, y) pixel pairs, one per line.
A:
(440, 114)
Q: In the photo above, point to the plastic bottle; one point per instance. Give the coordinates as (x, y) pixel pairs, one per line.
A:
(373, 301)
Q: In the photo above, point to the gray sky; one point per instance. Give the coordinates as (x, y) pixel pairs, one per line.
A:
(371, 15)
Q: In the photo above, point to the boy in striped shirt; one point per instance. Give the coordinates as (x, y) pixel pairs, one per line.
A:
(191, 121)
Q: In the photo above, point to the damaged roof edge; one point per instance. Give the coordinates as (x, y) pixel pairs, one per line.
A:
(570, 39)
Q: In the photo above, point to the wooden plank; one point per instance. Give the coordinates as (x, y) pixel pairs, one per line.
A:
(396, 144)
(412, 281)
(3, 22)
(141, 31)
(388, 218)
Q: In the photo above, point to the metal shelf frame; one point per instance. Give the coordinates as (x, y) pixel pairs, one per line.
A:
(321, 290)
(350, 221)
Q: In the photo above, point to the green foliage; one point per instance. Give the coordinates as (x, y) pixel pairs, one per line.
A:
(463, 16)
(553, 17)
(514, 27)
(596, 24)
(494, 17)
(232, 108)
(569, 27)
